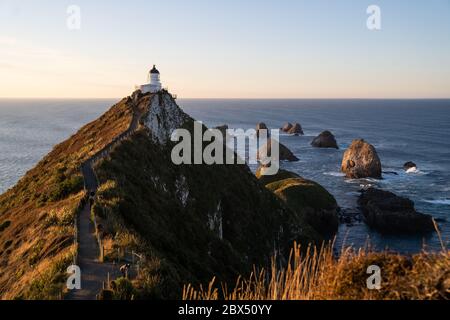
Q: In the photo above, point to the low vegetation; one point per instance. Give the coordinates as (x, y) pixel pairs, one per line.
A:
(50, 284)
(319, 274)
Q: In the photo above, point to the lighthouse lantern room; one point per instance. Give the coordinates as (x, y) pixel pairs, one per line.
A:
(153, 82)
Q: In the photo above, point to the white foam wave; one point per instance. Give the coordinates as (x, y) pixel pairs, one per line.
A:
(334, 174)
(445, 202)
(412, 170)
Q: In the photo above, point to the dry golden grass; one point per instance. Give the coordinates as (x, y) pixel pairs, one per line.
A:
(316, 274)
(37, 211)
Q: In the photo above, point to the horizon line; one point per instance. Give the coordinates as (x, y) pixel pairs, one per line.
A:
(221, 98)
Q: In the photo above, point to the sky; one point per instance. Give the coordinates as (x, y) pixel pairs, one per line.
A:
(226, 49)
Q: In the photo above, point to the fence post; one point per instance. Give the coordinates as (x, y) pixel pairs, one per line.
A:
(101, 252)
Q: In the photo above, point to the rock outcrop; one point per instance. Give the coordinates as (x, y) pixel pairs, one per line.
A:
(296, 129)
(310, 201)
(284, 152)
(325, 140)
(290, 128)
(163, 117)
(410, 166)
(261, 126)
(390, 214)
(267, 179)
(361, 161)
(287, 126)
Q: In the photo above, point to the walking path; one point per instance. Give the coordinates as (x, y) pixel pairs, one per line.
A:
(93, 271)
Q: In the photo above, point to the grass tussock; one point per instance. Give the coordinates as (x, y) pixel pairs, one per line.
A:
(317, 274)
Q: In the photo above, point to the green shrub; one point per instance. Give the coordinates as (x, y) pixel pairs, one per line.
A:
(50, 285)
(67, 187)
(123, 289)
(63, 217)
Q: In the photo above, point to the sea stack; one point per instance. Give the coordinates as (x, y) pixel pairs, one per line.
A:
(284, 152)
(325, 140)
(390, 214)
(361, 161)
(287, 126)
(296, 129)
(309, 200)
(261, 126)
(410, 167)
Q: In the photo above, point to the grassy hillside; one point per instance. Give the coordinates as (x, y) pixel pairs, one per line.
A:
(37, 214)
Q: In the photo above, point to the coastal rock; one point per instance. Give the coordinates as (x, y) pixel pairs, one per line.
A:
(163, 117)
(288, 126)
(310, 201)
(281, 175)
(390, 214)
(296, 129)
(350, 217)
(325, 140)
(261, 126)
(361, 161)
(285, 153)
(410, 166)
(223, 129)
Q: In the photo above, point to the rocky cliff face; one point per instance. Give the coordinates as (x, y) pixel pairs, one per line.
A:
(163, 116)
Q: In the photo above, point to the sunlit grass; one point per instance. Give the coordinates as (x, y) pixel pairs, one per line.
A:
(318, 274)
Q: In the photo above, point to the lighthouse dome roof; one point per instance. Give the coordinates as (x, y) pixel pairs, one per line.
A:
(154, 70)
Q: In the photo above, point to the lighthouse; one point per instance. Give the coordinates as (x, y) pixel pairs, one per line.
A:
(153, 82)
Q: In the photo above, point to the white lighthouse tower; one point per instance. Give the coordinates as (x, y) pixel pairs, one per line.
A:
(153, 82)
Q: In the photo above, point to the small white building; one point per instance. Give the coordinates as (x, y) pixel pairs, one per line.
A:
(153, 82)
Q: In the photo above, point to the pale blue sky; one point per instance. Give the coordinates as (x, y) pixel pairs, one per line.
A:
(254, 49)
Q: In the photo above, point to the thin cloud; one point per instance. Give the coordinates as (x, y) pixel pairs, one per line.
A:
(27, 61)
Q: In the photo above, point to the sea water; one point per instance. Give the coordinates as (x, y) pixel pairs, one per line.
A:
(400, 130)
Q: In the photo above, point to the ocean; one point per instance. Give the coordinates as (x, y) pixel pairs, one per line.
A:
(400, 130)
